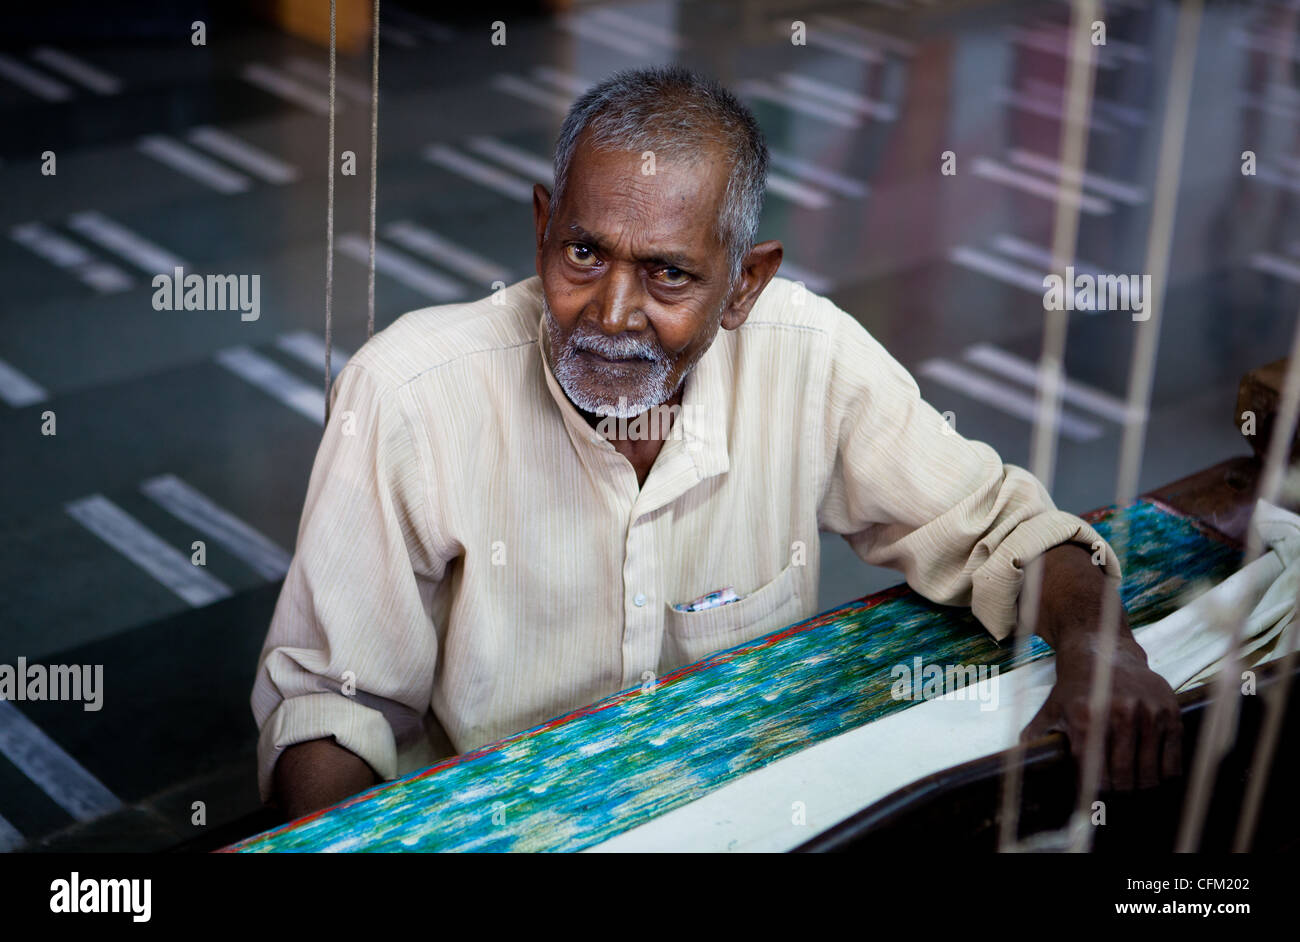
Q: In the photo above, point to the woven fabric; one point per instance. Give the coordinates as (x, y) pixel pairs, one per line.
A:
(589, 775)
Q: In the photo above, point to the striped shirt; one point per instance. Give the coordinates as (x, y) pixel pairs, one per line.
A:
(474, 558)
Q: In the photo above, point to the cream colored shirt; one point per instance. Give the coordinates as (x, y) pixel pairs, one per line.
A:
(474, 558)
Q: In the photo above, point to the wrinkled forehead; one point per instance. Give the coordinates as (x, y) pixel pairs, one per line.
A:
(643, 195)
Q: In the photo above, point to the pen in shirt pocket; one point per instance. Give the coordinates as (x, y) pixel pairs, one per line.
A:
(709, 600)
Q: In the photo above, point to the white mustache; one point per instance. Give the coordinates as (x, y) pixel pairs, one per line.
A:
(616, 348)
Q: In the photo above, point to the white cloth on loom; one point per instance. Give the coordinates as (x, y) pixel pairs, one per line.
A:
(839, 777)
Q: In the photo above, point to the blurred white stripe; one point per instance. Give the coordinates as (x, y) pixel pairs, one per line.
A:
(409, 272)
(243, 154)
(38, 84)
(147, 550)
(136, 249)
(447, 253)
(515, 158)
(17, 389)
(981, 388)
(1027, 372)
(1116, 189)
(507, 184)
(10, 837)
(802, 104)
(68, 783)
(999, 268)
(185, 503)
(514, 85)
(65, 253)
(271, 377)
(309, 348)
(93, 77)
(1048, 190)
(287, 87)
(193, 164)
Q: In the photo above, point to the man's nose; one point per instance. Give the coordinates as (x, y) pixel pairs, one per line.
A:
(622, 301)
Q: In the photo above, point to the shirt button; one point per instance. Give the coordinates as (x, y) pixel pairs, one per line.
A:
(638, 600)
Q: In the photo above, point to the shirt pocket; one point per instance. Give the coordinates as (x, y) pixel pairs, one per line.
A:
(689, 636)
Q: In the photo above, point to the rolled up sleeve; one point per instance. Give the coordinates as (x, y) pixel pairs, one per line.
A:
(351, 650)
(910, 493)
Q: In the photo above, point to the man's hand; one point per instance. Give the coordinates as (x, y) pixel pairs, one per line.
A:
(1142, 725)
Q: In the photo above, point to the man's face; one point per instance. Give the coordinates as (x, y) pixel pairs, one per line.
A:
(634, 277)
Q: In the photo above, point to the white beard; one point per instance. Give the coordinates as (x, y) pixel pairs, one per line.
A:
(575, 377)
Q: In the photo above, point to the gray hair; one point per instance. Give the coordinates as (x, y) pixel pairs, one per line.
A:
(675, 112)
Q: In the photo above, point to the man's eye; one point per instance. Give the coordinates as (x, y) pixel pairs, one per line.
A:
(580, 255)
(675, 276)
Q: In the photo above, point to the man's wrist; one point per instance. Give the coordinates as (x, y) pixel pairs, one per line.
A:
(1076, 596)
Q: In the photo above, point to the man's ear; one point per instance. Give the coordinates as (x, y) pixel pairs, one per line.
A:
(757, 269)
(541, 214)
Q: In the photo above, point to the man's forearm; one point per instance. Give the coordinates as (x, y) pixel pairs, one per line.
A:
(1072, 603)
(317, 774)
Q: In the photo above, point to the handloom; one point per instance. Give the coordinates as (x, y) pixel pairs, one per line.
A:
(595, 773)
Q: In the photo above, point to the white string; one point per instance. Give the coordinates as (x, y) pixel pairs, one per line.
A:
(374, 173)
(1213, 741)
(1275, 703)
(1074, 141)
(1142, 375)
(329, 223)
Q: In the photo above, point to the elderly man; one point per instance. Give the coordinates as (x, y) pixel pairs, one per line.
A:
(530, 501)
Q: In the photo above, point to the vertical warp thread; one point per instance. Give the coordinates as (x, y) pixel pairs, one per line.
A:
(1065, 232)
(374, 172)
(1142, 367)
(329, 222)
